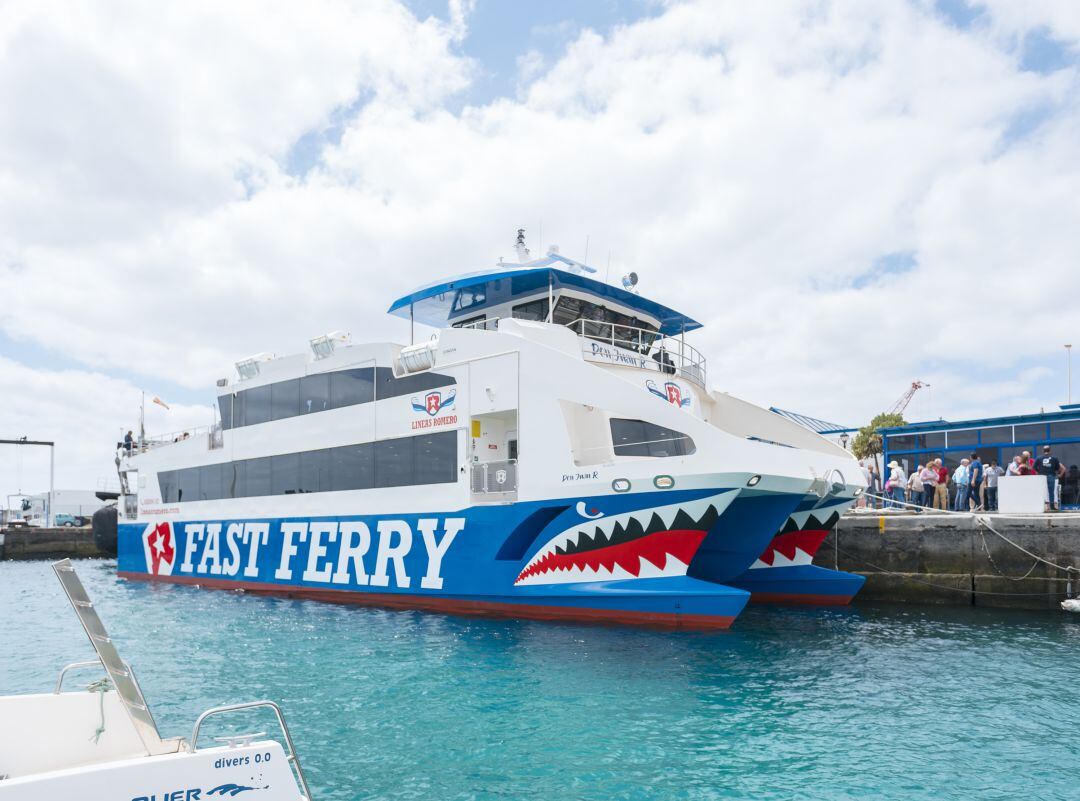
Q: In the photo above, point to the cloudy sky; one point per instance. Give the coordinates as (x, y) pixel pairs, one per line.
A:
(850, 195)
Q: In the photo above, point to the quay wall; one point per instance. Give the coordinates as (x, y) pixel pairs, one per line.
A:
(48, 543)
(952, 559)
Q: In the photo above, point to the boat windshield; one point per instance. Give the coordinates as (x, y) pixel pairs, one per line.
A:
(592, 320)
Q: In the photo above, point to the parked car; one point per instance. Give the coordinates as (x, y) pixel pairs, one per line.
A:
(69, 521)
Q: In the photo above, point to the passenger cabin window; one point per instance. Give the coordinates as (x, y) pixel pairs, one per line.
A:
(402, 462)
(533, 310)
(599, 322)
(641, 438)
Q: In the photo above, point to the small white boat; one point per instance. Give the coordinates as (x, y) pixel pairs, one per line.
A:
(101, 742)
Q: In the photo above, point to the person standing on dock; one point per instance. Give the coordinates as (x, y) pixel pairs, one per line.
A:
(941, 492)
(1049, 466)
(1014, 467)
(915, 487)
(993, 473)
(962, 479)
(975, 479)
(929, 477)
(896, 483)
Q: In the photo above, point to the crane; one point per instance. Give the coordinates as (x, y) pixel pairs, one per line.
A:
(905, 399)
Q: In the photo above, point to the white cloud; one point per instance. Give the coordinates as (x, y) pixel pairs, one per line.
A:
(749, 163)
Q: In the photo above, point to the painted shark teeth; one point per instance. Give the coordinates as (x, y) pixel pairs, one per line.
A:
(643, 543)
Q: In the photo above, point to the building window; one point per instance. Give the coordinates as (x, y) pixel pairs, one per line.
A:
(1031, 432)
(1001, 434)
(640, 438)
(1066, 429)
(935, 439)
(963, 437)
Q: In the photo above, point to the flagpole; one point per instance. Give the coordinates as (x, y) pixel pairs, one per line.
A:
(142, 419)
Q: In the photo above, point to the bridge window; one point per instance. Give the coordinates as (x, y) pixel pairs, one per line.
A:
(641, 438)
(533, 310)
(599, 322)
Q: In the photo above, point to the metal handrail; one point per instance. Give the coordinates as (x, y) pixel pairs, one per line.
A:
(487, 324)
(291, 757)
(684, 358)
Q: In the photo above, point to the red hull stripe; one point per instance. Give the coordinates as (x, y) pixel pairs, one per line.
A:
(457, 606)
(799, 598)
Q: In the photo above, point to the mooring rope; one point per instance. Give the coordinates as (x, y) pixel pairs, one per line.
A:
(983, 521)
(101, 686)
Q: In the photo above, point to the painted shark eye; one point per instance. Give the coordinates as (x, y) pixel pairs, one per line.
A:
(663, 482)
(621, 485)
(753, 481)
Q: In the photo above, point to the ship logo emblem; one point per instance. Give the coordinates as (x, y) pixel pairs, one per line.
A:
(434, 402)
(500, 476)
(160, 550)
(671, 392)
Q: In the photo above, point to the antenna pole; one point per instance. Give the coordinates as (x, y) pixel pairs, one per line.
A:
(586, 259)
(412, 326)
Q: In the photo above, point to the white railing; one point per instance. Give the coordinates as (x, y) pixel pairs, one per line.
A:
(212, 434)
(489, 477)
(664, 354)
(487, 324)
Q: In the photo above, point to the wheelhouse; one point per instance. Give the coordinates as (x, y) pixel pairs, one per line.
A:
(638, 332)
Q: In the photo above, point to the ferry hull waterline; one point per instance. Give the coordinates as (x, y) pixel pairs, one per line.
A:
(552, 452)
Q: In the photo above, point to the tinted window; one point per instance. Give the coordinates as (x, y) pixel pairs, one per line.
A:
(225, 405)
(314, 393)
(1031, 432)
(964, 437)
(256, 405)
(167, 484)
(315, 471)
(257, 477)
(352, 467)
(904, 442)
(1066, 429)
(210, 482)
(284, 474)
(239, 486)
(639, 438)
(997, 434)
(435, 458)
(935, 440)
(239, 418)
(533, 310)
(350, 387)
(188, 482)
(228, 480)
(394, 463)
(391, 387)
(285, 399)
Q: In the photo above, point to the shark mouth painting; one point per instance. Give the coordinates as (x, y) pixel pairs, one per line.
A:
(799, 540)
(646, 543)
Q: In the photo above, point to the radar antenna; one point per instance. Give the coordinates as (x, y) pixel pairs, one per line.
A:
(519, 246)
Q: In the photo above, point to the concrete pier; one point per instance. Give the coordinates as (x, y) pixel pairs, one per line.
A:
(951, 559)
(48, 543)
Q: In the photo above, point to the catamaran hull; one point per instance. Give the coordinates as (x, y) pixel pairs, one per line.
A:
(785, 573)
(619, 559)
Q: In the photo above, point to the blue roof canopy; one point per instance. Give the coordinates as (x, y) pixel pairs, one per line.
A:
(465, 295)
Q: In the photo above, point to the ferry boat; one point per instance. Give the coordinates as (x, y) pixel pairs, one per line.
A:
(552, 451)
(100, 742)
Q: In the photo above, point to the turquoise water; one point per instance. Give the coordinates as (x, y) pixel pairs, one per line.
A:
(897, 702)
